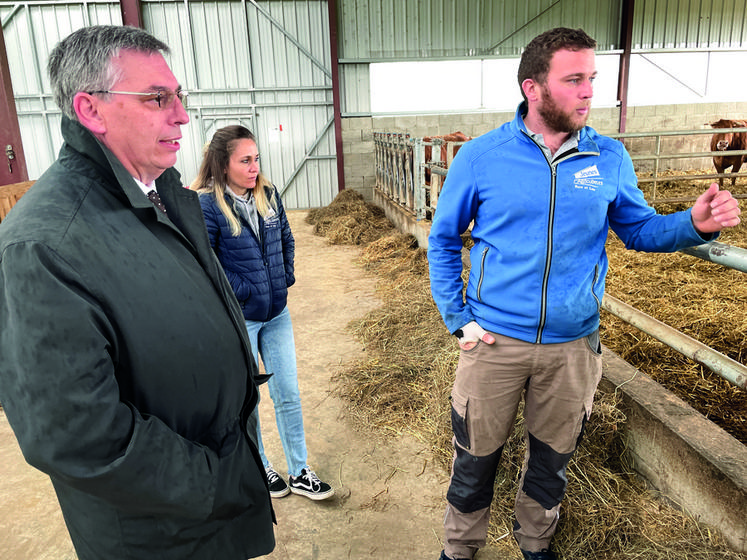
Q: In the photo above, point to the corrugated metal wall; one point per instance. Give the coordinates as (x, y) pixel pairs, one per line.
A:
(263, 64)
(376, 30)
(690, 24)
(31, 30)
(386, 30)
(398, 30)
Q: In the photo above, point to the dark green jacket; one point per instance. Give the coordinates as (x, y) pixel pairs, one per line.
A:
(125, 368)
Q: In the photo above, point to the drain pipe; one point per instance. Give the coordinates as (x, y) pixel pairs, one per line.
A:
(729, 369)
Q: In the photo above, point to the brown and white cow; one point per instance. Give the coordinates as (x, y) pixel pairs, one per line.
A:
(725, 142)
(446, 139)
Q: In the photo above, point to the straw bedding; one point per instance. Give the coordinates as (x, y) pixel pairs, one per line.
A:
(403, 383)
(703, 300)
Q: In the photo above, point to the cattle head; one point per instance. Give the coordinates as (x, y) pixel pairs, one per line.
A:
(727, 142)
(723, 141)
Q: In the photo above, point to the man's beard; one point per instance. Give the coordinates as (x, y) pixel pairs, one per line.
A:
(555, 118)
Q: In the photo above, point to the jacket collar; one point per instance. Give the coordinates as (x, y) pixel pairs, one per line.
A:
(586, 141)
(118, 179)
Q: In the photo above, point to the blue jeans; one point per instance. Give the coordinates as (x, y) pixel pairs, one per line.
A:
(274, 341)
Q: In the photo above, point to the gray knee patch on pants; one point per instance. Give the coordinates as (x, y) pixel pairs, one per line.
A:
(545, 480)
(471, 487)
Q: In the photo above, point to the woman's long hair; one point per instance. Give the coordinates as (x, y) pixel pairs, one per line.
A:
(212, 175)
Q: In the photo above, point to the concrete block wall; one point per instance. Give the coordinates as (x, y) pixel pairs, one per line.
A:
(680, 117)
(357, 133)
(358, 155)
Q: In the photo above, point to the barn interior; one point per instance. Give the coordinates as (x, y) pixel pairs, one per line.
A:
(314, 79)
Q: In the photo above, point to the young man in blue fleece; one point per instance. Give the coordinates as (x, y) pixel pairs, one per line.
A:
(542, 191)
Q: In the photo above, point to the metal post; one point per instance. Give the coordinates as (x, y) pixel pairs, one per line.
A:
(626, 42)
(336, 95)
(409, 178)
(656, 165)
(377, 159)
(419, 166)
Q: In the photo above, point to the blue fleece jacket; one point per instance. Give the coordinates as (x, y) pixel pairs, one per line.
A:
(260, 270)
(538, 265)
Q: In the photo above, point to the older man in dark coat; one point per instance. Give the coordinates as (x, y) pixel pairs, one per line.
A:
(125, 368)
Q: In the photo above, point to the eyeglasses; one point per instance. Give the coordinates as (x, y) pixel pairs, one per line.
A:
(164, 97)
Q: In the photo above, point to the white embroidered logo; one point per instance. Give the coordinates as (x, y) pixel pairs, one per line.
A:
(272, 218)
(584, 179)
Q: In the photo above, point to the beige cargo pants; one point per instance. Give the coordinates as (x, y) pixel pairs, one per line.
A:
(558, 382)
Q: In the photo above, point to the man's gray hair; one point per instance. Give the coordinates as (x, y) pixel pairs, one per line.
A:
(82, 61)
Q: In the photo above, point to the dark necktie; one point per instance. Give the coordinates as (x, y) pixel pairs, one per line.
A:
(155, 199)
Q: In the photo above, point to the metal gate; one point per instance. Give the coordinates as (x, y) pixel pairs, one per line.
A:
(263, 64)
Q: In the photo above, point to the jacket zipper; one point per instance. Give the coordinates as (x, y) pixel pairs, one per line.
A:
(550, 221)
(266, 265)
(482, 273)
(548, 256)
(593, 282)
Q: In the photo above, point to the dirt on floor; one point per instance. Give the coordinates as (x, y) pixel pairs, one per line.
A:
(390, 495)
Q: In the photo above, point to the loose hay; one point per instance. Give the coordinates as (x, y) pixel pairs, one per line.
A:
(350, 220)
(403, 384)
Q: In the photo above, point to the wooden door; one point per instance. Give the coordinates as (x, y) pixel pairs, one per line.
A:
(12, 160)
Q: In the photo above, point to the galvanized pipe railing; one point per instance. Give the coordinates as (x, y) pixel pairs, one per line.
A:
(720, 253)
(401, 165)
(724, 366)
(657, 156)
(393, 161)
(731, 370)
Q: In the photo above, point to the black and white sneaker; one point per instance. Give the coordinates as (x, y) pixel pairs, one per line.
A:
(278, 487)
(309, 485)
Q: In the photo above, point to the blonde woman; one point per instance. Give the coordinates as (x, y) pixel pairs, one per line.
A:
(250, 234)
